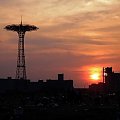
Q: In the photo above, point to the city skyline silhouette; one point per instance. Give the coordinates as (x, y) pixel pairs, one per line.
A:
(75, 42)
(69, 68)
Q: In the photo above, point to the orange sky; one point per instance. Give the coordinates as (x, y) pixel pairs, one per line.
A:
(74, 36)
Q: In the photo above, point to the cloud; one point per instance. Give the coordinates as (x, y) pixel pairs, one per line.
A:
(111, 28)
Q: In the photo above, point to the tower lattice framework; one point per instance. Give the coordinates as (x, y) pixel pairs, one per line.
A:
(21, 30)
(21, 66)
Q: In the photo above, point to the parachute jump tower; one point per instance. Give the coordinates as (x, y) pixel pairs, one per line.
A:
(21, 29)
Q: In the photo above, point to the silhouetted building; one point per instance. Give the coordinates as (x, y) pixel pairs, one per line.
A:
(59, 85)
(97, 88)
(10, 84)
(60, 77)
(112, 80)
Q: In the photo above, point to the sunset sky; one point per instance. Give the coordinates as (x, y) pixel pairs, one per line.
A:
(75, 37)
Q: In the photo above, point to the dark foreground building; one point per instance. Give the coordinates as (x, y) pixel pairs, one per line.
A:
(52, 100)
(112, 80)
(59, 85)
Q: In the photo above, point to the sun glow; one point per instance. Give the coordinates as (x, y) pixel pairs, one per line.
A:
(95, 76)
(95, 73)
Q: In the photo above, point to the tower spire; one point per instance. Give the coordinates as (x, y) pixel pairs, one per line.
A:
(21, 20)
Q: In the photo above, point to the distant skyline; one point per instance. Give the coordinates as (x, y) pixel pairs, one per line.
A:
(75, 37)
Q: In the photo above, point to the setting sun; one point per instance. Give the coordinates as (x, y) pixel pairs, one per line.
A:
(95, 76)
(95, 73)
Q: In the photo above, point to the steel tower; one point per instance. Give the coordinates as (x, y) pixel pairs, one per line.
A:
(21, 29)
